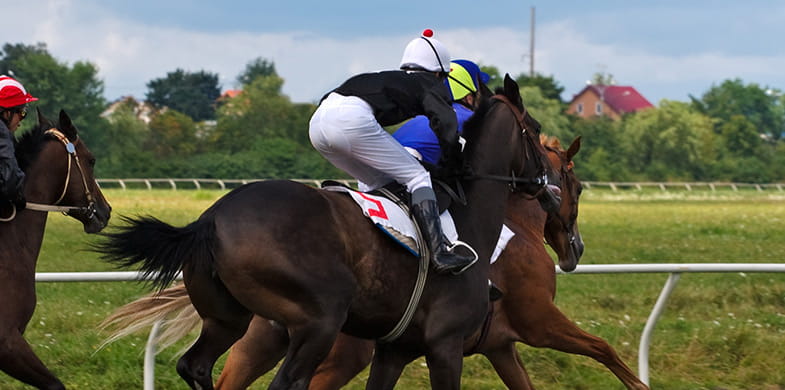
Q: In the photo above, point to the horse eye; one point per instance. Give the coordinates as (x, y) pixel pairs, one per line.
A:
(92, 162)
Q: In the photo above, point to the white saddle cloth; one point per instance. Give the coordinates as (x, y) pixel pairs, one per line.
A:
(394, 221)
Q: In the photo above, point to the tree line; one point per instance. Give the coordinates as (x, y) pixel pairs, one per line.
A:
(732, 132)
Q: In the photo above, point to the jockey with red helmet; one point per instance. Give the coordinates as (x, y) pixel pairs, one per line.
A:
(13, 108)
(347, 129)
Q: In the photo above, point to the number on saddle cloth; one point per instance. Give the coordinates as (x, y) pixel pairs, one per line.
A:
(388, 209)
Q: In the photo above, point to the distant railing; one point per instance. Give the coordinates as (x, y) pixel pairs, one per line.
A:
(193, 184)
(223, 184)
(689, 186)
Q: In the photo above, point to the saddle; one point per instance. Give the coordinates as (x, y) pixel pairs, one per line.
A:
(398, 194)
(388, 209)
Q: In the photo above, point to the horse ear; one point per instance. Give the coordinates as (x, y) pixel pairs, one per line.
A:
(43, 121)
(574, 147)
(512, 91)
(67, 127)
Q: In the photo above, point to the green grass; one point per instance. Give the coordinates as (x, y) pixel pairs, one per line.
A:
(719, 331)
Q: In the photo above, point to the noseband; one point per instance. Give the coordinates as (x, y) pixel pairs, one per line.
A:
(513, 179)
(73, 159)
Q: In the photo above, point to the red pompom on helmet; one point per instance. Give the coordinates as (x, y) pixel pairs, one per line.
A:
(12, 93)
(426, 53)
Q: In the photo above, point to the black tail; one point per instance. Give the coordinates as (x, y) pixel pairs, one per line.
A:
(161, 249)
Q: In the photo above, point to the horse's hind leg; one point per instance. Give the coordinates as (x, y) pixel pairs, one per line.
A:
(508, 365)
(19, 361)
(224, 322)
(309, 344)
(347, 358)
(262, 347)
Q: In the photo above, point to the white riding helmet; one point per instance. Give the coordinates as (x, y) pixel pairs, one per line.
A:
(426, 53)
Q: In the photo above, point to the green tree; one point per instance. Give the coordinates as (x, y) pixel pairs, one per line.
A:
(75, 88)
(191, 93)
(172, 134)
(602, 78)
(601, 157)
(733, 97)
(672, 142)
(549, 87)
(123, 153)
(496, 79)
(740, 136)
(548, 112)
(261, 111)
(259, 67)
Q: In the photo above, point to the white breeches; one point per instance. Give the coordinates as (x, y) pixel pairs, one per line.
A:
(344, 130)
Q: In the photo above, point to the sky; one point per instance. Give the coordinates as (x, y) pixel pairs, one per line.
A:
(665, 49)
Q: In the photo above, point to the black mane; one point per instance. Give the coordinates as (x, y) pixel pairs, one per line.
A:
(472, 126)
(29, 145)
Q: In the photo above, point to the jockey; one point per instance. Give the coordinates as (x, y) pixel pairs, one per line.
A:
(464, 82)
(13, 108)
(347, 129)
(417, 137)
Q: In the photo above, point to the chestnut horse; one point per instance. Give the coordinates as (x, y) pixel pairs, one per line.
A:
(526, 312)
(59, 171)
(310, 261)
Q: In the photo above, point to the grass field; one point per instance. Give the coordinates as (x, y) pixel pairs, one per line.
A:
(718, 332)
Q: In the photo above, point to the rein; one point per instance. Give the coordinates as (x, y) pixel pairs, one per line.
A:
(542, 180)
(73, 158)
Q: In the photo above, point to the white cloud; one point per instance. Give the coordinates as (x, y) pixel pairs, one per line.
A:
(129, 54)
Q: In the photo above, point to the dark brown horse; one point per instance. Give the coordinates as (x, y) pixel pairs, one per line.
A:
(310, 261)
(526, 313)
(59, 170)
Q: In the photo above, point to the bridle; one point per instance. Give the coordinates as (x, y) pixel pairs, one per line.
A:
(73, 159)
(513, 180)
(566, 224)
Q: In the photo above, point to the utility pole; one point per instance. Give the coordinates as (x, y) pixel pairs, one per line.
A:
(531, 46)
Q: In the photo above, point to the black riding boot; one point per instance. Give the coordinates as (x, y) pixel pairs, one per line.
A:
(426, 212)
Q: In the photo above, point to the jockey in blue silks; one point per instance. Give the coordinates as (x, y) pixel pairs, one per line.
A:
(347, 129)
(463, 81)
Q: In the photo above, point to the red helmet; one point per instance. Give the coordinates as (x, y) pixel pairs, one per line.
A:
(12, 93)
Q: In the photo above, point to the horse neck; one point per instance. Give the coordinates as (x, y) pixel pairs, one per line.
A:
(481, 220)
(528, 216)
(41, 186)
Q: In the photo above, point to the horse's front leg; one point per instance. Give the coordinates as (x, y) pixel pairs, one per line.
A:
(387, 366)
(445, 362)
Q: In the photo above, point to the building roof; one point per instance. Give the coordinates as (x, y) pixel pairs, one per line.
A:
(621, 98)
(230, 93)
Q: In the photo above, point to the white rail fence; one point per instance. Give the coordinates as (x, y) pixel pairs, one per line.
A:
(223, 184)
(673, 269)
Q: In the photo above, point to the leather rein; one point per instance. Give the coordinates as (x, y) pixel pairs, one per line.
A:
(73, 159)
(542, 180)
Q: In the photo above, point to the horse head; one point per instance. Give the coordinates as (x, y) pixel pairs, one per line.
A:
(561, 228)
(60, 174)
(514, 128)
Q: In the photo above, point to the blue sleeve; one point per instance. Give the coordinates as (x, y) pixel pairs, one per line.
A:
(417, 134)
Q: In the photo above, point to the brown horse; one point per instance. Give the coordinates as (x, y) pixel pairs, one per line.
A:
(526, 313)
(59, 170)
(310, 261)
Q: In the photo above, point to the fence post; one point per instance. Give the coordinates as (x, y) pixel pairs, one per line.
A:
(149, 358)
(643, 349)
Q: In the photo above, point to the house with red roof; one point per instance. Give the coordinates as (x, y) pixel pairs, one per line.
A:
(612, 101)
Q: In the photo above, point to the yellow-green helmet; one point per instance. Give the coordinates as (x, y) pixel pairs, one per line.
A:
(465, 78)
